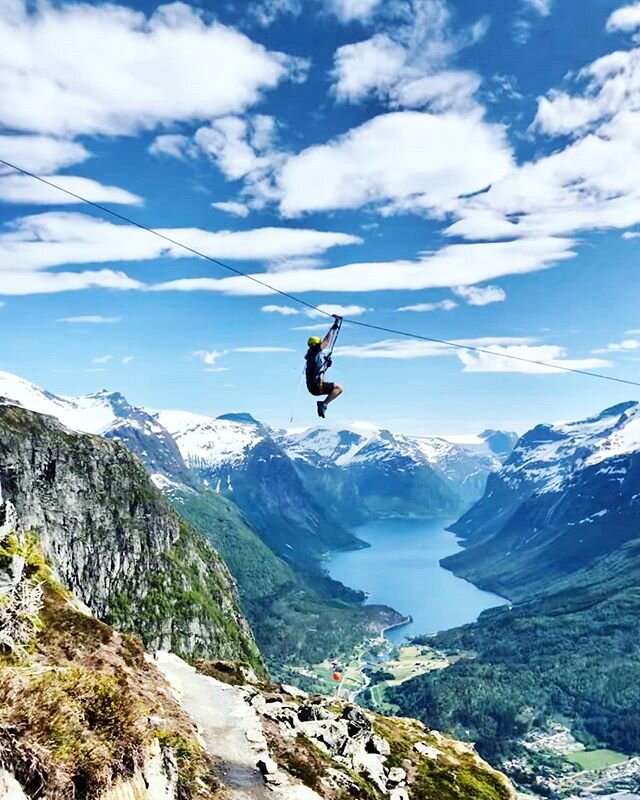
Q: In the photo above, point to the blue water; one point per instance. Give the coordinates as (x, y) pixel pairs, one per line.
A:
(401, 569)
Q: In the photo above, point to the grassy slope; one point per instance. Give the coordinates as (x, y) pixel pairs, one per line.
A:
(75, 707)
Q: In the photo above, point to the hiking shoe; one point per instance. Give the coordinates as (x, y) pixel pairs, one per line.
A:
(321, 409)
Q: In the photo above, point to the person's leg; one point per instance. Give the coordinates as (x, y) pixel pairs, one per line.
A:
(333, 394)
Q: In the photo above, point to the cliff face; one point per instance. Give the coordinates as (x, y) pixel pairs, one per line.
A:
(114, 541)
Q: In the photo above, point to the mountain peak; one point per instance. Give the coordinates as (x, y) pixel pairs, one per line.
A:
(241, 417)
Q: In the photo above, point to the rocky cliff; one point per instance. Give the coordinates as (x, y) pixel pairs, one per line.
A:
(114, 541)
(84, 713)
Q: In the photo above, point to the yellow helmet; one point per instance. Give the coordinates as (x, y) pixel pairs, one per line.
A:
(314, 340)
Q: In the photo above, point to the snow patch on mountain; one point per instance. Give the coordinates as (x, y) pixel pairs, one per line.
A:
(550, 455)
(89, 414)
(209, 442)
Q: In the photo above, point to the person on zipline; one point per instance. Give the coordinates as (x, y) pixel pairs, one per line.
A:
(317, 365)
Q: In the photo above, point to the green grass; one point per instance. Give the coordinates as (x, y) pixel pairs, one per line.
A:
(596, 759)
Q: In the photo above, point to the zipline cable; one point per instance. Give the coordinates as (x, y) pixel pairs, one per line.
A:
(311, 306)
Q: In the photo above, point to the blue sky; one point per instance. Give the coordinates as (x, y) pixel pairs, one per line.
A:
(461, 169)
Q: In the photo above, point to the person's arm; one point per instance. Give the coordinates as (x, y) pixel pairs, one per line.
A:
(330, 334)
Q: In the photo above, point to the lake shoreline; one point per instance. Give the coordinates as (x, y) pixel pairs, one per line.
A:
(400, 568)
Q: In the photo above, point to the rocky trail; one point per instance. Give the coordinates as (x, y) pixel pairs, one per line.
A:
(231, 732)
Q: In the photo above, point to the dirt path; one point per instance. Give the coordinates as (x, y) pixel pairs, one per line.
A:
(231, 731)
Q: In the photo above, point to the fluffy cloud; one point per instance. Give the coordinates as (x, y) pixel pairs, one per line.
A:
(405, 63)
(174, 145)
(626, 18)
(211, 358)
(500, 356)
(283, 311)
(101, 359)
(481, 295)
(90, 319)
(23, 282)
(620, 347)
(55, 238)
(443, 305)
(456, 265)
(401, 159)
(349, 10)
(324, 309)
(233, 208)
(501, 359)
(40, 154)
(593, 183)
(176, 65)
(542, 7)
(23, 189)
(612, 85)
(405, 349)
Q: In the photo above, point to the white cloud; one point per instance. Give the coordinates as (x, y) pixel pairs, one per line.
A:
(325, 309)
(349, 10)
(284, 311)
(405, 63)
(225, 141)
(23, 283)
(366, 67)
(405, 349)
(611, 86)
(404, 159)
(174, 145)
(626, 18)
(455, 265)
(91, 319)
(311, 328)
(443, 305)
(593, 183)
(233, 208)
(620, 347)
(631, 235)
(101, 359)
(51, 239)
(209, 357)
(176, 65)
(266, 12)
(23, 189)
(40, 154)
(127, 359)
(553, 356)
(481, 295)
(287, 264)
(499, 358)
(542, 7)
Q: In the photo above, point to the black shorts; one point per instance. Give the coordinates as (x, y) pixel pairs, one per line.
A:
(319, 389)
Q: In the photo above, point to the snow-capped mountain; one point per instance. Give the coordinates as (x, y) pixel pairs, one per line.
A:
(359, 446)
(301, 492)
(568, 495)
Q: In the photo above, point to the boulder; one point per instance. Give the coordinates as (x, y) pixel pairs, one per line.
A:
(396, 776)
(357, 723)
(293, 691)
(267, 765)
(377, 744)
(423, 749)
(372, 766)
(311, 712)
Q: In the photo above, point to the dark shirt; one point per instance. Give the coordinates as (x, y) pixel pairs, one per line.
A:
(315, 365)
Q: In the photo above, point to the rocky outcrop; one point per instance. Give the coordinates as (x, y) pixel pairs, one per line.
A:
(114, 541)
